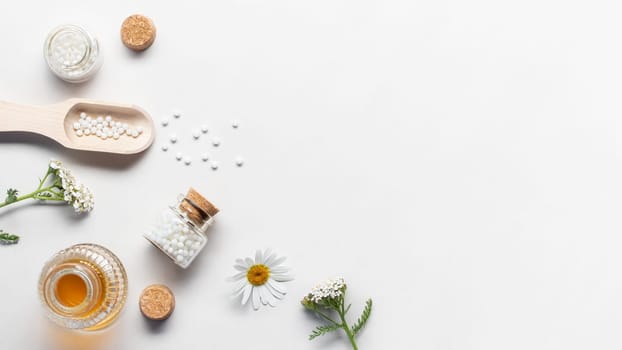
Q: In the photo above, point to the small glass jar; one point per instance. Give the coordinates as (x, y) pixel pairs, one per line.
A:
(181, 230)
(72, 53)
(83, 287)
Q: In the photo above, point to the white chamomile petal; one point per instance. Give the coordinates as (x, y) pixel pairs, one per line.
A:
(236, 277)
(275, 293)
(249, 262)
(272, 300)
(255, 297)
(240, 267)
(269, 259)
(258, 257)
(239, 288)
(263, 294)
(282, 278)
(242, 262)
(278, 261)
(279, 269)
(269, 298)
(247, 293)
(278, 286)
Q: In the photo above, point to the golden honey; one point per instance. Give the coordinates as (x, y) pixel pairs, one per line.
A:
(70, 290)
(83, 287)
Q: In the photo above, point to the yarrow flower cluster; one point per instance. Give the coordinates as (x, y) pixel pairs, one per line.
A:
(332, 288)
(59, 185)
(79, 196)
(329, 297)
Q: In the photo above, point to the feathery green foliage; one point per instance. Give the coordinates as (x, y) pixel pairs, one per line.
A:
(360, 323)
(329, 298)
(321, 330)
(7, 238)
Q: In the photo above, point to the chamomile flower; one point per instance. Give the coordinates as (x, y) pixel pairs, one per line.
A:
(261, 280)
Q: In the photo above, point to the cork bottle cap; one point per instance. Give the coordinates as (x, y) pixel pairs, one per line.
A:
(157, 302)
(197, 207)
(138, 32)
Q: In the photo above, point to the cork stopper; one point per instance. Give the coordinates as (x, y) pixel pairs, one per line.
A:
(138, 32)
(157, 302)
(197, 207)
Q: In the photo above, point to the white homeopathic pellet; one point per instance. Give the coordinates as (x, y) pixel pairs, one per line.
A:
(187, 160)
(205, 157)
(177, 114)
(239, 161)
(196, 134)
(204, 129)
(103, 127)
(214, 165)
(173, 138)
(216, 142)
(165, 147)
(235, 124)
(179, 156)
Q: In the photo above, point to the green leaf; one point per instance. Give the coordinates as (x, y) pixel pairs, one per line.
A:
(363, 319)
(11, 196)
(321, 330)
(7, 238)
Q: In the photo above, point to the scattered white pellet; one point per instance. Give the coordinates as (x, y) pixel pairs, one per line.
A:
(205, 157)
(173, 138)
(204, 129)
(165, 147)
(239, 161)
(187, 160)
(196, 134)
(179, 156)
(216, 142)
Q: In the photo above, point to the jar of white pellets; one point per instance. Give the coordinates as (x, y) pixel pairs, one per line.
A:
(72, 53)
(181, 230)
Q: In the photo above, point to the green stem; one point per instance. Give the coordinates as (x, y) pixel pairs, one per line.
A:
(36, 194)
(324, 316)
(344, 324)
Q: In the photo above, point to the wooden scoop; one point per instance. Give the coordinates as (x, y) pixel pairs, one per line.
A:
(56, 122)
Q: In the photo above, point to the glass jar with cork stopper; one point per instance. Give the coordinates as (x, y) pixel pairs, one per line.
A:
(181, 230)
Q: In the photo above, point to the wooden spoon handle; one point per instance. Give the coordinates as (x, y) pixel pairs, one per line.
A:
(44, 120)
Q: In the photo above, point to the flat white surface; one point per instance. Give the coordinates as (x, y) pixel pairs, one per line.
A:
(458, 161)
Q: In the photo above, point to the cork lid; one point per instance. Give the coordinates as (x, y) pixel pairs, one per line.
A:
(197, 207)
(157, 302)
(138, 32)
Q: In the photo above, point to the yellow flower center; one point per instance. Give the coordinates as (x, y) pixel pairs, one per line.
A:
(258, 274)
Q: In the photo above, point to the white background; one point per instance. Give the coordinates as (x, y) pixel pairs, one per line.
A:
(457, 161)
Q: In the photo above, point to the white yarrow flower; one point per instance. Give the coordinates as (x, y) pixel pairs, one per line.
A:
(74, 193)
(332, 288)
(261, 280)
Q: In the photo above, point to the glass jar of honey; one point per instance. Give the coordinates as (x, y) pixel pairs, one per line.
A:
(83, 287)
